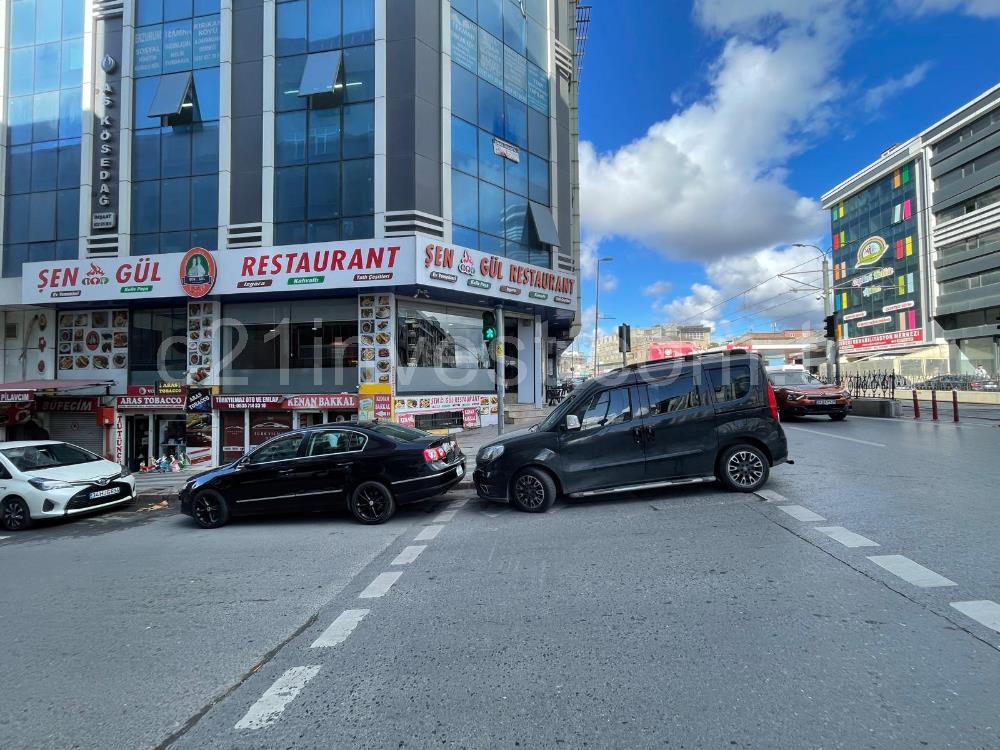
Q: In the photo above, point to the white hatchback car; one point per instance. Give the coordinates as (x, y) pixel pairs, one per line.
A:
(49, 479)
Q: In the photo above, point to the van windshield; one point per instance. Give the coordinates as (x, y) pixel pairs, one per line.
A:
(553, 419)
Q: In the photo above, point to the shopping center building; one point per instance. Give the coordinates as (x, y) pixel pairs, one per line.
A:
(916, 249)
(225, 220)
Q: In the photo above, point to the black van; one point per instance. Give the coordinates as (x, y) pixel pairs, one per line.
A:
(684, 420)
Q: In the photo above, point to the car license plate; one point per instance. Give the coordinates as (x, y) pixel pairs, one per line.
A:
(826, 402)
(104, 493)
(460, 470)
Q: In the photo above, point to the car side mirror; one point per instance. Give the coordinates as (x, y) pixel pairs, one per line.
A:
(572, 422)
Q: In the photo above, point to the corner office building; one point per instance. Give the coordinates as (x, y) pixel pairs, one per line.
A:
(916, 247)
(302, 207)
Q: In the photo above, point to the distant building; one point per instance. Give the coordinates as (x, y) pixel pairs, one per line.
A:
(644, 339)
(779, 347)
(916, 247)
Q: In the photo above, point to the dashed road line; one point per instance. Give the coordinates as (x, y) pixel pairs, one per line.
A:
(340, 628)
(409, 554)
(911, 572)
(984, 611)
(446, 515)
(801, 514)
(276, 698)
(836, 437)
(459, 503)
(771, 496)
(845, 537)
(4, 537)
(428, 533)
(382, 583)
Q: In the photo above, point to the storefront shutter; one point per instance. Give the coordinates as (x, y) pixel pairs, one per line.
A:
(78, 429)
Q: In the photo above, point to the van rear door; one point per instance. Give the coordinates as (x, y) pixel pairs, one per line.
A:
(678, 427)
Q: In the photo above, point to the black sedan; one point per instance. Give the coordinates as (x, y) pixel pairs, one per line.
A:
(372, 467)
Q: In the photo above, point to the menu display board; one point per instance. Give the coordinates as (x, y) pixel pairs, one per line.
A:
(202, 330)
(490, 59)
(93, 341)
(483, 405)
(376, 339)
(538, 89)
(375, 402)
(463, 41)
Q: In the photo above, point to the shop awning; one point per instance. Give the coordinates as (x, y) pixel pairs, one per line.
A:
(321, 73)
(32, 387)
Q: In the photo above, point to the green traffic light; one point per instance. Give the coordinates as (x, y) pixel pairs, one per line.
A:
(489, 334)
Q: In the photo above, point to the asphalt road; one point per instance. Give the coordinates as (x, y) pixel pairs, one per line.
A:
(680, 619)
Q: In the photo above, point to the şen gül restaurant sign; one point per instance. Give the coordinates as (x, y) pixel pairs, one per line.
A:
(371, 263)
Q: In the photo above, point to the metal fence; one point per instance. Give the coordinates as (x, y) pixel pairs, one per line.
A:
(877, 384)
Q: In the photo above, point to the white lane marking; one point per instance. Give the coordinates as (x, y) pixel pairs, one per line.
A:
(771, 496)
(409, 554)
(459, 503)
(845, 537)
(836, 437)
(800, 514)
(983, 611)
(4, 537)
(428, 533)
(382, 583)
(276, 698)
(446, 515)
(340, 628)
(910, 571)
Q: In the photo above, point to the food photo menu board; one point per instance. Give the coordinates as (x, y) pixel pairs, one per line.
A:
(376, 338)
(93, 343)
(201, 343)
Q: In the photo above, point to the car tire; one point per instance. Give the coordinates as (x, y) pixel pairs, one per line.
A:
(209, 509)
(532, 491)
(372, 503)
(743, 468)
(15, 515)
(838, 417)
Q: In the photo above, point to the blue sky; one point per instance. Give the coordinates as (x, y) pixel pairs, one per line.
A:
(711, 128)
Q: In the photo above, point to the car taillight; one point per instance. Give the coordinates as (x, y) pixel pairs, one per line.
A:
(434, 454)
(772, 402)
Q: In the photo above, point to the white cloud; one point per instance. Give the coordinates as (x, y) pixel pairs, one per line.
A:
(709, 182)
(978, 8)
(609, 282)
(657, 288)
(876, 96)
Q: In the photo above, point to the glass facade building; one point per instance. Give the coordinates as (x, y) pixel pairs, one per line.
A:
(303, 208)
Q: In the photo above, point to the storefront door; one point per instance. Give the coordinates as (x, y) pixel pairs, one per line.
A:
(137, 445)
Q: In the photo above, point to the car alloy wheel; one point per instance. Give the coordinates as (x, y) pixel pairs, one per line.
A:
(745, 468)
(209, 510)
(529, 491)
(371, 503)
(15, 515)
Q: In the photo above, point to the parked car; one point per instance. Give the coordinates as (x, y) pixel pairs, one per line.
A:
(800, 393)
(950, 382)
(677, 421)
(370, 468)
(50, 479)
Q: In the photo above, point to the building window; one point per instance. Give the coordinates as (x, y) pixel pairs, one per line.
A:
(43, 121)
(445, 337)
(499, 91)
(159, 339)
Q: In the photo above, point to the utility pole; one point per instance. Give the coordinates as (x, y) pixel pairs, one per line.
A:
(597, 306)
(831, 355)
(501, 374)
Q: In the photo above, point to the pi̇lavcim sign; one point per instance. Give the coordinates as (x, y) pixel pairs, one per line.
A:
(368, 263)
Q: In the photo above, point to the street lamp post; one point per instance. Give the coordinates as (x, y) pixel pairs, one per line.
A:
(597, 306)
(832, 356)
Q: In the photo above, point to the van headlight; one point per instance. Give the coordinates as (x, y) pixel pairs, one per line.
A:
(43, 484)
(490, 453)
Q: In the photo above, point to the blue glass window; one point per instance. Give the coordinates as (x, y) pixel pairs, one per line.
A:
(177, 9)
(490, 108)
(42, 217)
(205, 148)
(491, 17)
(291, 29)
(22, 71)
(22, 23)
(538, 180)
(19, 169)
(516, 175)
(359, 74)
(358, 227)
(329, 229)
(19, 114)
(145, 244)
(146, 206)
(146, 155)
(204, 202)
(516, 218)
(45, 116)
(464, 200)
(290, 234)
(491, 209)
(44, 160)
(175, 205)
(513, 26)
(359, 187)
(72, 63)
(67, 214)
(69, 164)
(490, 165)
(70, 114)
(538, 133)
(489, 243)
(290, 194)
(324, 134)
(288, 73)
(467, 8)
(324, 25)
(464, 146)
(464, 93)
(18, 208)
(465, 237)
(48, 21)
(206, 88)
(47, 67)
(515, 121)
(290, 138)
(359, 130)
(537, 44)
(359, 22)
(324, 191)
(175, 152)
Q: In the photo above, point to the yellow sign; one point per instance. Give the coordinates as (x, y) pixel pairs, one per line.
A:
(375, 402)
(499, 350)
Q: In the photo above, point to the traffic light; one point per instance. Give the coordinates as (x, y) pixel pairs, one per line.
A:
(831, 327)
(625, 338)
(489, 327)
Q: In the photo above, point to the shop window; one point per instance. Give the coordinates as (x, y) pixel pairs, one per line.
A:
(442, 337)
(438, 421)
(273, 346)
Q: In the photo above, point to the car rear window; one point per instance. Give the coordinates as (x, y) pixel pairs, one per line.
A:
(731, 383)
(397, 431)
